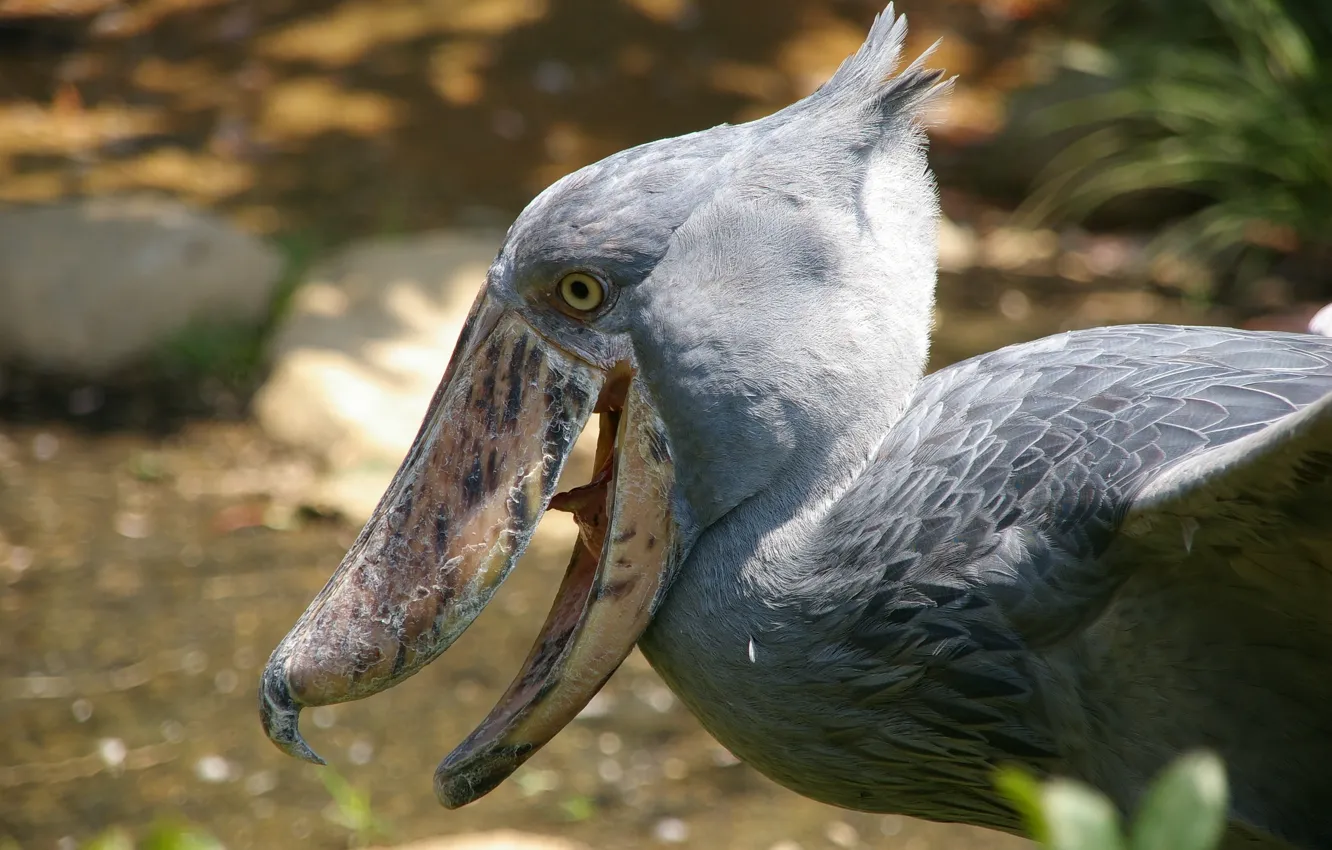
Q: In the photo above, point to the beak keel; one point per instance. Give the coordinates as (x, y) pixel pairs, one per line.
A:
(602, 608)
(456, 517)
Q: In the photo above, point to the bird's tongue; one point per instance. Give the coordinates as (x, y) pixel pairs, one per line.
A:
(456, 517)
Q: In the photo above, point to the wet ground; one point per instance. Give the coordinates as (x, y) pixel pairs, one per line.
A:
(143, 580)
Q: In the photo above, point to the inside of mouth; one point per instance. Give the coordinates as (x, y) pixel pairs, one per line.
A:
(590, 503)
(590, 506)
(556, 633)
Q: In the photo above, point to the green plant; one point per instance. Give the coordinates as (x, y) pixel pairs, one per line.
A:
(165, 835)
(351, 810)
(1185, 809)
(1238, 117)
(115, 838)
(579, 807)
(170, 835)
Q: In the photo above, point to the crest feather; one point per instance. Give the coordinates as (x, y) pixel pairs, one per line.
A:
(869, 80)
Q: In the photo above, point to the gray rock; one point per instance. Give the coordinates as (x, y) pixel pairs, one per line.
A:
(88, 287)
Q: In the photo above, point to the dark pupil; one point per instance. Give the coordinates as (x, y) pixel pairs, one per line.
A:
(579, 289)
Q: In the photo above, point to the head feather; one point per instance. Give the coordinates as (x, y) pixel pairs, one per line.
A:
(869, 83)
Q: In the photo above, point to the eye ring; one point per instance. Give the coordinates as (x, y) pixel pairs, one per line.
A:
(582, 292)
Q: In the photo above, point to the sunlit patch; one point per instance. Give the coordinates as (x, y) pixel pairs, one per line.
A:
(303, 107)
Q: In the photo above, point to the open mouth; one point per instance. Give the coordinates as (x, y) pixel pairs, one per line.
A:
(590, 503)
(458, 514)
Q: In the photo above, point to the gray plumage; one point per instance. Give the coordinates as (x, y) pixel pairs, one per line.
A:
(1052, 559)
(1083, 554)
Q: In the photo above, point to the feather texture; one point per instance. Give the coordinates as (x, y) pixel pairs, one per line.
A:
(1085, 554)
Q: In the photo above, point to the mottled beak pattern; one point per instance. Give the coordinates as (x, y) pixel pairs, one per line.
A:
(453, 522)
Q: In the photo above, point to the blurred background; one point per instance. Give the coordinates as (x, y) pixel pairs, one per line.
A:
(238, 238)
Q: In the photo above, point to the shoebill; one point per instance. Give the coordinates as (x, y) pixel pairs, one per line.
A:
(1084, 554)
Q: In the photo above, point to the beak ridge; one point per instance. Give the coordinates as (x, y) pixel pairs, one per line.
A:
(455, 519)
(457, 516)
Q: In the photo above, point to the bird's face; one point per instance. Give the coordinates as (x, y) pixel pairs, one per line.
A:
(554, 338)
(683, 293)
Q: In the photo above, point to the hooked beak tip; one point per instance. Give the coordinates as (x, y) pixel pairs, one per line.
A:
(464, 778)
(454, 792)
(281, 713)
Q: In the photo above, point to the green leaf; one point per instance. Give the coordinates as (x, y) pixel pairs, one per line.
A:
(1061, 814)
(115, 838)
(578, 808)
(1185, 809)
(1267, 36)
(171, 835)
(1024, 791)
(351, 809)
(1079, 818)
(1229, 109)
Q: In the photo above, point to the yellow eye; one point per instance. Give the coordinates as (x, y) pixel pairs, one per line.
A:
(582, 291)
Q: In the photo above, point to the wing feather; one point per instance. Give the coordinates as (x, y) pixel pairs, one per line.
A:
(1126, 534)
(1289, 456)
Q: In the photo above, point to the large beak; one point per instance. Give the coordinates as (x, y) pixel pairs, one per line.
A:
(457, 515)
